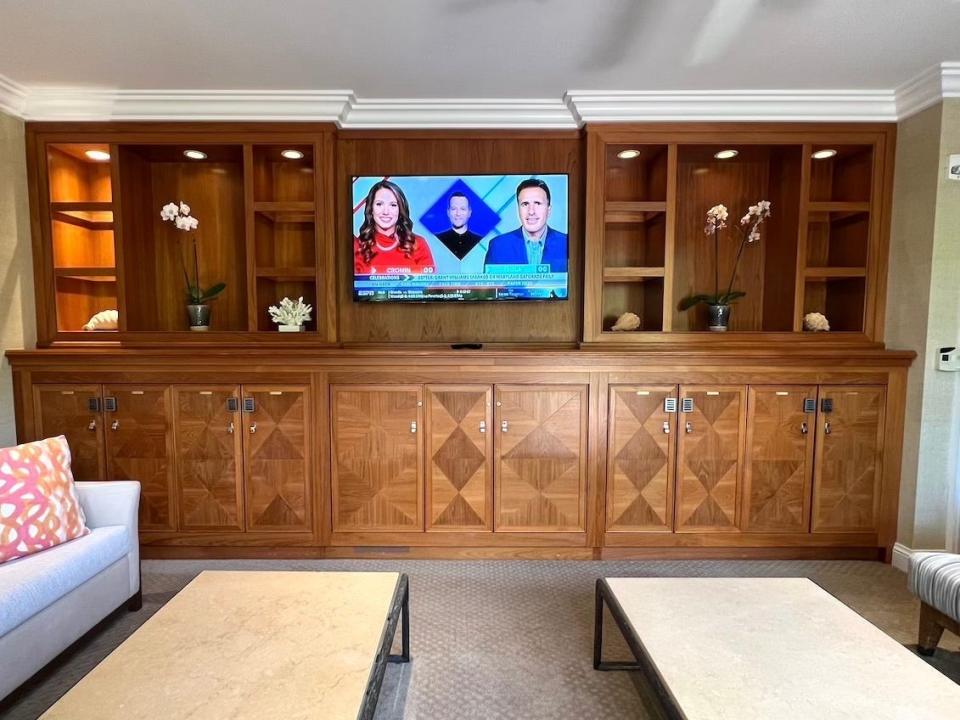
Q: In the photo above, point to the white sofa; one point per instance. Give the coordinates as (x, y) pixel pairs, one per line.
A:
(51, 598)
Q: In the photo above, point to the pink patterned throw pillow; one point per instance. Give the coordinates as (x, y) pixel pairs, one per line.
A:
(39, 507)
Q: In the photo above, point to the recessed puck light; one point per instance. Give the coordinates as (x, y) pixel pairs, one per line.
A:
(824, 154)
(292, 154)
(628, 154)
(726, 154)
(98, 155)
(195, 154)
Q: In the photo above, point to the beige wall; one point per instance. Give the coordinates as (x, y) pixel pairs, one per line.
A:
(17, 314)
(923, 313)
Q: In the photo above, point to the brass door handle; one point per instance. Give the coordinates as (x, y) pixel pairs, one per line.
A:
(253, 428)
(689, 427)
(826, 428)
(115, 425)
(413, 426)
(483, 426)
(803, 428)
(92, 425)
(230, 428)
(504, 426)
(666, 427)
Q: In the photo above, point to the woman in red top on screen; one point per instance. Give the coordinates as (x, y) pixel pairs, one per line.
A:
(386, 244)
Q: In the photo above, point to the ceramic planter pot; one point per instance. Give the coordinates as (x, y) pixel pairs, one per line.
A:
(290, 328)
(199, 316)
(719, 317)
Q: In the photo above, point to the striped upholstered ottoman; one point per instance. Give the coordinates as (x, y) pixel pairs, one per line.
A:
(935, 579)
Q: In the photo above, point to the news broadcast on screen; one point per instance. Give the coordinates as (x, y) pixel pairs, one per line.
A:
(460, 238)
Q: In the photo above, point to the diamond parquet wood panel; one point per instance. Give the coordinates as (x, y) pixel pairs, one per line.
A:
(846, 494)
(459, 470)
(139, 446)
(63, 410)
(709, 458)
(540, 477)
(778, 466)
(209, 458)
(377, 478)
(277, 459)
(640, 459)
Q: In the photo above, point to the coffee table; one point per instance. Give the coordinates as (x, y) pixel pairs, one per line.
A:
(760, 648)
(254, 645)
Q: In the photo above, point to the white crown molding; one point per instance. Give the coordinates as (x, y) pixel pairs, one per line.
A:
(928, 88)
(733, 105)
(62, 103)
(453, 113)
(573, 110)
(13, 97)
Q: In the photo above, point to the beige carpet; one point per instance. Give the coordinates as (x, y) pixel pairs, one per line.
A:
(506, 639)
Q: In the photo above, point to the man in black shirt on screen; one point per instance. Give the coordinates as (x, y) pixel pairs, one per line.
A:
(458, 239)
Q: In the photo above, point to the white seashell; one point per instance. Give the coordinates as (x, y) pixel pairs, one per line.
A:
(627, 321)
(103, 320)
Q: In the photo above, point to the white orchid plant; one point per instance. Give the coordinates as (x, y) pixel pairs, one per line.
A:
(290, 312)
(749, 228)
(179, 215)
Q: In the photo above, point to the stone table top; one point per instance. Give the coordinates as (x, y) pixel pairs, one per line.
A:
(784, 648)
(234, 645)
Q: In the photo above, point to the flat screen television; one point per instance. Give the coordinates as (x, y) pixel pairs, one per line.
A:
(455, 238)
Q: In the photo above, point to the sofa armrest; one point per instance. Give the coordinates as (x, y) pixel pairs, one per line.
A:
(115, 502)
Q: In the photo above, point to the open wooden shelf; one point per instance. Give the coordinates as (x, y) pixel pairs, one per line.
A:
(835, 272)
(92, 274)
(278, 180)
(631, 274)
(632, 212)
(844, 178)
(95, 216)
(288, 273)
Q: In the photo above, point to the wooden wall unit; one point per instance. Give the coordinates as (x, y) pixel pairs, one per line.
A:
(369, 436)
(352, 455)
(823, 248)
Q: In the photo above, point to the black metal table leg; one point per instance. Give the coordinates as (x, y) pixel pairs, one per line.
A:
(399, 612)
(643, 662)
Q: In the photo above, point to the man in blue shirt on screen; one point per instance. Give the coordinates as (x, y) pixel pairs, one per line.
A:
(534, 242)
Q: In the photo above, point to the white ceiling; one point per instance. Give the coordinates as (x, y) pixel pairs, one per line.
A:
(489, 49)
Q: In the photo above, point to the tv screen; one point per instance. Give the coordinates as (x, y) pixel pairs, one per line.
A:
(456, 238)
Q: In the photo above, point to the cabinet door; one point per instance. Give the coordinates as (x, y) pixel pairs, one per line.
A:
(540, 449)
(459, 451)
(139, 446)
(74, 412)
(641, 457)
(846, 488)
(276, 451)
(377, 478)
(710, 451)
(778, 468)
(209, 457)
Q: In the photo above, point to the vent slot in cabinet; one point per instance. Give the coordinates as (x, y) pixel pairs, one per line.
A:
(687, 405)
(670, 405)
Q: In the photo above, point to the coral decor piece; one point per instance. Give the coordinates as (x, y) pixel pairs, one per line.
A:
(290, 315)
(103, 320)
(627, 321)
(816, 322)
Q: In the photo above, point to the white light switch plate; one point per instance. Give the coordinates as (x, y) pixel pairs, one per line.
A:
(953, 167)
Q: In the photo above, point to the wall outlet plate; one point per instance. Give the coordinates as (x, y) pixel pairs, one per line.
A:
(953, 167)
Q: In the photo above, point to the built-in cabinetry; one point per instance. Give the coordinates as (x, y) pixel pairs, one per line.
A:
(488, 451)
(210, 458)
(262, 200)
(369, 435)
(758, 459)
(518, 466)
(822, 250)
